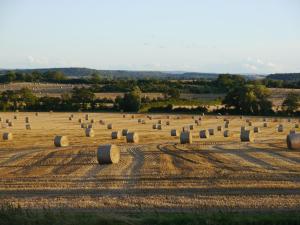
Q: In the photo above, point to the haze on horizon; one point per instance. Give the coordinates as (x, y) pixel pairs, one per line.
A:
(226, 36)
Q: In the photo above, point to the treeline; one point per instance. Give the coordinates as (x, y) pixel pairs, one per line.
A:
(103, 84)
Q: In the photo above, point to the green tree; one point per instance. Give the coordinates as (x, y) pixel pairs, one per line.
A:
(249, 99)
(131, 102)
(173, 93)
(291, 103)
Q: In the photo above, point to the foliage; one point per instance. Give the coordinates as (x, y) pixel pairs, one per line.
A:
(249, 99)
(291, 103)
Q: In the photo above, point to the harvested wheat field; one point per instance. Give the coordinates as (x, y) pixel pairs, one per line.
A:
(157, 173)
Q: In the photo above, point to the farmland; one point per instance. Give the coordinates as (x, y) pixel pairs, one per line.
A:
(156, 174)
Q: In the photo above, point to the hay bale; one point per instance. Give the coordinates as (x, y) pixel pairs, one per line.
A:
(139, 120)
(28, 127)
(102, 122)
(92, 121)
(168, 123)
(124, 132)
(211, 131)
(249, 123)
(226, 125)
(70, 118)
(246, 136)
(154, 126)
(26, 119)
(10, 124)
(7, 120)
(109, 126)
(132, 116)
(83, 125)
(79, 120)
(116, 135)
(174, 133)
(143, 122)
(89, 132)
(36, 114)
(227, 133)
(7, 136)
(87, 117)
(61, 141)
(159, 122)
(293, 141)
(191, 127)
(124, 116)
(220, 128)
(15, 117)
(159, 126)
(204, 134)
(296, 125)
(280, 128)
(256, 130)
(265, 125)
(108, 154)
(186, 137)
(132, 137)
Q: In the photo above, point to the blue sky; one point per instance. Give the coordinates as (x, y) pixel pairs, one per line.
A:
(236, 36)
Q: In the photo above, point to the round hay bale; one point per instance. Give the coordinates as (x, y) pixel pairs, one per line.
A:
(159, 122)
(89, 132)
(226, 125)
(211, 131)
(70, 118)
(83, 125)
(191, 127)
(92, 121)
(28, 127)
(7, 120)
(108, 154)
(143, 122)
(36, 114)
(10, 124)
(139, 120)
(296, 125)
(186, 137)
(249, 123)
(174, 133)
(116, 134)
(79, 120)
(280, 128)
(227, 133)
(168, 123)
(154, 126)
(246, 136)
(256, 130)
(159, 126)
(124, 116)
(132, 137)
(293, 141)
(61, 141)
(7, 136)
(0, 119)
(124, 132)
(26, 119)
(265, 124)
(132, 116)
(109, 126)
(220, 128)
(87, 117)
(15, 117)
(204, 134)
(102, 122)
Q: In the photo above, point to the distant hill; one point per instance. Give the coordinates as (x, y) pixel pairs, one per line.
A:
(285, 76)
(76, 72)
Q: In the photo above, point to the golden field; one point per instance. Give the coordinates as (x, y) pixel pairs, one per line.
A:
(157, 174)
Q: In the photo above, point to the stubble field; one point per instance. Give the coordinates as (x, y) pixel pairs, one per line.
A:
(157, 174)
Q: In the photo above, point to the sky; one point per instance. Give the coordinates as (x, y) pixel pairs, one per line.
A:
(222, 36)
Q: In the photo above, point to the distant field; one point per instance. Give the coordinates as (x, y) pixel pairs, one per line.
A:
(55, 90)
(157, 174)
